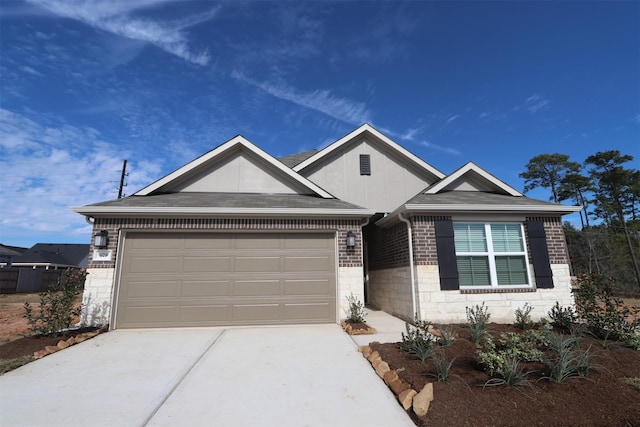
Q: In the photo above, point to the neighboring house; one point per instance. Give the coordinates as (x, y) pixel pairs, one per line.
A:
(53, 256)
(8, 253)
(237, 237)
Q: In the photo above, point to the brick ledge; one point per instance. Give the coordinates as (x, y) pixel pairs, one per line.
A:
(497, 291)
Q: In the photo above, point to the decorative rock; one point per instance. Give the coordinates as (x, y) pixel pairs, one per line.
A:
(373, 356)
(365, 350)
(406, 398)
(422, 400)
(71, 341)
(80, 339)
(398, 386)
(383, 368)
(434, 331)
(51, 349)
(389, 377)
(40, 354)
(62, 344)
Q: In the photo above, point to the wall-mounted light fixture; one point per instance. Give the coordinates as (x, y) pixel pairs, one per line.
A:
(351, 239)
(101, 239)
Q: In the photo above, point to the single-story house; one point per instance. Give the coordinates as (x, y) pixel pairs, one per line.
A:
(238, 237)
(53, 256)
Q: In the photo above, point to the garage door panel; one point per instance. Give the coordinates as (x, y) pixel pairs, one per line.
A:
(306, 241)
(152, 289)
(205, 313)
(149, 315)
(208, 279)
(257, 287)
(209, 264)
(309, 311)
(205, 288)
(252, 242)
(311, 287)
(198, 241)
(256, 313)
(152, 242)
(302, 264)
(152, 265)
(257, 265)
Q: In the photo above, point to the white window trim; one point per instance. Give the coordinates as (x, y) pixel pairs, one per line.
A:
(493, 274)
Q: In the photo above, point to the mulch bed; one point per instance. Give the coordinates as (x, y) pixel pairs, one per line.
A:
(28, 345)
(601, 399)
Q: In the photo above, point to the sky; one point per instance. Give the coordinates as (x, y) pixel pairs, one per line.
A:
(87, 84)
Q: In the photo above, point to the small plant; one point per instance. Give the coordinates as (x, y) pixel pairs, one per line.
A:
(447, 336)
(523, 317)
(443, 367)
(418, 340)
(604, 314)
(568, 359)
(477, 318)
(356, 313)
(56, 304)
(511, 374)
(562, 318)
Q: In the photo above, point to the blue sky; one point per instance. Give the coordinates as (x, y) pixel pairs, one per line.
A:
(87, 84)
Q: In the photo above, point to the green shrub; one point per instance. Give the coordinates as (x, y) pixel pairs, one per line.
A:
(523, 317)
(447, 336)
(356, 312)
(443, 367)
(562, 318)
(418, 340)
(477, 318)
(605, 315)
(493, 357)
(56, 304)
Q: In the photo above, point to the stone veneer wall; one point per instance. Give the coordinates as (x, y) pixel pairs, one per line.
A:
(99, 286)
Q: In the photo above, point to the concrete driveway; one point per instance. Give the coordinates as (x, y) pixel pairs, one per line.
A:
(268, 376)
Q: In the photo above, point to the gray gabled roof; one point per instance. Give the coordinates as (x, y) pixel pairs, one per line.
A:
(293, 159)
(475, 202)
(60, 254)
(189, 204)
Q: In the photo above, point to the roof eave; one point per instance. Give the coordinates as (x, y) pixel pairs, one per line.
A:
(106, 211)
(440, 209)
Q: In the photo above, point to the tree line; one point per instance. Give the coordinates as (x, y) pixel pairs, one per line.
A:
(608, 242)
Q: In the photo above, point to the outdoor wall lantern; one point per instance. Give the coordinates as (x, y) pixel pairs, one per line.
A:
(351, 239)
(101, 239)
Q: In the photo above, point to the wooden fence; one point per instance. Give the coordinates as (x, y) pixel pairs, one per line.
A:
(22, 280)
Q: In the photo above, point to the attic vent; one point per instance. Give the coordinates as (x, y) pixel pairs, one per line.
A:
(365, 164)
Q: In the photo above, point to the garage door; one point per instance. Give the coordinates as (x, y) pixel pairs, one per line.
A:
(186, 279)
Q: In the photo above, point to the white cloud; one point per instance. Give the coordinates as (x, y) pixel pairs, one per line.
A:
(440, 148)
(49, 167)
(409, 135)
(116, 17)
(323, 101)
(536, 103)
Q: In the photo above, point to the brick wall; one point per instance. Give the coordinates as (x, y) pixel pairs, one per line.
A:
(424, 239)
(346, 257)
(556, 241)
(388, 247)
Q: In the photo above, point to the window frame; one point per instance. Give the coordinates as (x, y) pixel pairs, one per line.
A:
(491, 255)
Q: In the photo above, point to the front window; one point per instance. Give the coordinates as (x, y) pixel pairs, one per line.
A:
(491, 255)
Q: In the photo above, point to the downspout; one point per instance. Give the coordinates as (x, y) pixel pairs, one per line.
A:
(413, 279)
(365, 258)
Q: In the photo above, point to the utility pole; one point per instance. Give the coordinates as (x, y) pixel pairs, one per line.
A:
(122, 184)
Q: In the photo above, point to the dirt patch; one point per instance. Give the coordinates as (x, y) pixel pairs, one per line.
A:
(604, 398)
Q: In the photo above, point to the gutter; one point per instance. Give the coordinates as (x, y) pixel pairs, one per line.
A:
(413, 279)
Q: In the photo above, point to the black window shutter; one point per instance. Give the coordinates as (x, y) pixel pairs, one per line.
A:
(540, 254)
(447, 265)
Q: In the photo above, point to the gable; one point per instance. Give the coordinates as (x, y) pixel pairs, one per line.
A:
(471, 177)
(237, 172)
(368, 169)
(237, 166)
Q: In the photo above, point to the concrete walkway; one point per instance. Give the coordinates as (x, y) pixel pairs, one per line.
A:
(269, 376)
